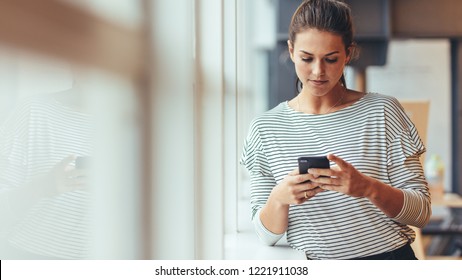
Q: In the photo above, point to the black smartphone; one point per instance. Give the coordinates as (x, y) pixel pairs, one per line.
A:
(305, 163)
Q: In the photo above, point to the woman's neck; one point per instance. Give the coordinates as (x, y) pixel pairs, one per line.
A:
(307, 102)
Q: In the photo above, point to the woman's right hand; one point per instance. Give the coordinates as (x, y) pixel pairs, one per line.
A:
(295, 188)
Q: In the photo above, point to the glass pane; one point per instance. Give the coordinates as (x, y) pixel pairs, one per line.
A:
(69, 158)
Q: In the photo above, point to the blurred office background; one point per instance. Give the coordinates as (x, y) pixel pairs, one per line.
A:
(122, 122)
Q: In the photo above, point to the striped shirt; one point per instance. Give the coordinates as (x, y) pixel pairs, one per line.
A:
(40, 133)
(374, 135)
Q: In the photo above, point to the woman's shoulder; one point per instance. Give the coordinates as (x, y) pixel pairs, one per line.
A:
(379, 101)
(268, 120)
(276, 114)
(382, 98)
(391, 107)
(371, 100)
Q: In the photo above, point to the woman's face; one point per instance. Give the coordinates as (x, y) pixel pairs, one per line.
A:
(319, 58)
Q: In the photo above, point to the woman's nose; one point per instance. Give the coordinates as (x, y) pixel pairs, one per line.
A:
(318, 69)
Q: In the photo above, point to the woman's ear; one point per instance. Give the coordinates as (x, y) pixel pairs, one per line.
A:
(350, 52)
(290, 46)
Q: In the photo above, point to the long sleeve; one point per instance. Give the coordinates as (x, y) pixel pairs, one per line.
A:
(410, 179)
(261, 183)
(405, 170)
(266, 236)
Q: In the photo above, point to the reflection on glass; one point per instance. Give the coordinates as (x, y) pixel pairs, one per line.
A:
(44, 194)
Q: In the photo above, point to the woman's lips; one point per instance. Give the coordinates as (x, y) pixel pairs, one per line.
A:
(318, 82)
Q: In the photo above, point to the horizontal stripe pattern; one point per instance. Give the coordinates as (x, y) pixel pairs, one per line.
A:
(40, 133)
(377, 138)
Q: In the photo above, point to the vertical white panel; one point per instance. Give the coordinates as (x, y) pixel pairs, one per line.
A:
(173, 121)
(210, 135)
(115, 168)
(230, 159)
(252, 85)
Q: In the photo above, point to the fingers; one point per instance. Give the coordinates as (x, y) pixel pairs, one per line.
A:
(317, 172)
(302, 178)
(308, 186)
(307, 194)
(328, 188)
(304, 182)
(294, 172)
(297, 189)
(300, 187)
(334, 171)
(304, 186)
(321, 181)
(296, 178)
(340, 162)
(312, 192)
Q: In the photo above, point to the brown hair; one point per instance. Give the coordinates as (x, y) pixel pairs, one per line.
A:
(325, 15)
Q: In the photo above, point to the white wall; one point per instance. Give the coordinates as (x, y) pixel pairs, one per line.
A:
(420, 69)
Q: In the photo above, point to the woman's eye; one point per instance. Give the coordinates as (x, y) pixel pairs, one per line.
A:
(307, 59)
(331, 60)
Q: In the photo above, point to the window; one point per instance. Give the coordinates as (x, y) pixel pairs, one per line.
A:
(71, 133)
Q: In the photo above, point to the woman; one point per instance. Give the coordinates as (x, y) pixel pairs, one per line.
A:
(361, 207)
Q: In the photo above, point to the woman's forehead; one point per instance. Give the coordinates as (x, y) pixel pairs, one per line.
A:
(316, 41)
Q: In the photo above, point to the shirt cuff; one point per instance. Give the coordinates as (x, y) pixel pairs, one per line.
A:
(266, 236)
(416, 209)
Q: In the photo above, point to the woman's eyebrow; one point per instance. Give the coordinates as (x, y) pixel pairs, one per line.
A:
(308, 53)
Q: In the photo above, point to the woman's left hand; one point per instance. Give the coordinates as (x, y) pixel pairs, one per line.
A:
(342, 178)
